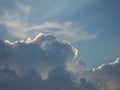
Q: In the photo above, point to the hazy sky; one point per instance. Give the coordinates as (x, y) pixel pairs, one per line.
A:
(64, 29)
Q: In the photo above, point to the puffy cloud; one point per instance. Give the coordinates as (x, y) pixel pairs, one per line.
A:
(105, 76)
(47, 63)
(38, 63)
(43, 53)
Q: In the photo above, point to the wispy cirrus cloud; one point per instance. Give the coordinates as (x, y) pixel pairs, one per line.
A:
(19, 27)
(17, 24)
(67, 30)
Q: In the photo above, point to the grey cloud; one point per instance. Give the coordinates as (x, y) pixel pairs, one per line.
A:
(44, 53)
(38, 63)
(47, 63)
(106, 76)
(58, 79)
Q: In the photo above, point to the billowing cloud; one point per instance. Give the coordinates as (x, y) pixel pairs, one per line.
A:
(44, 62)
(104, 77)
(44, 53)
(38, 63)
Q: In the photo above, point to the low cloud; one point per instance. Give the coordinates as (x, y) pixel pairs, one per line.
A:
(105, 76)
(44, 62)
(44, 53)
(38, 63)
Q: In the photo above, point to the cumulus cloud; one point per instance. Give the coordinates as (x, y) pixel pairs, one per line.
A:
(44, 62)
(43, 53)
(105, 76)
(38, 63)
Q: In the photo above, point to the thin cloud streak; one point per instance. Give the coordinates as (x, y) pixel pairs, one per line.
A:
(17, 24)
(67, 30)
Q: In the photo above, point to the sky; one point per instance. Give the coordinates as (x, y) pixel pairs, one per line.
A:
(59, 44)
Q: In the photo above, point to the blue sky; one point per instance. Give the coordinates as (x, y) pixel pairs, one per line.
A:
(93, 26)
(39, 38)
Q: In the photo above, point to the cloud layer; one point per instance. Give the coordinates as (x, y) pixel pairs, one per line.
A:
(47, 63)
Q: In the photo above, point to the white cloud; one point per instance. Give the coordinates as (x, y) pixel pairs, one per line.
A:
(67, 30)
(18, 26)
(18, 23)
(14, 23)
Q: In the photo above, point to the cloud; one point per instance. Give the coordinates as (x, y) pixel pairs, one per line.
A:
(105, 76)
(16, 19)
(38, 63)
(18, 24)
(15, 22)
(44, 62)
(44, 53)
(67, 30)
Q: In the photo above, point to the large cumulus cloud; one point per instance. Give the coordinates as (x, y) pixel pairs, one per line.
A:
(47, 63)
(44, 53)
(38, 63)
